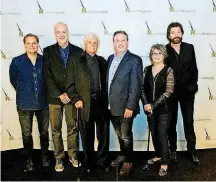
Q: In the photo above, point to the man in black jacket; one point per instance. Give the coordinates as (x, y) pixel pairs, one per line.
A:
(182, 59)
(87, 89)
(56, 65)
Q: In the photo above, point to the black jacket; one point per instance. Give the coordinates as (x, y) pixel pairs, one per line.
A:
(157, 90)
(55, 72)
(78, 85)
(185, 69)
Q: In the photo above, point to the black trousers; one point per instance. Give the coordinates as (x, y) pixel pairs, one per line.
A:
(159, 126)
(87, 131)
(26, 121)
(123, 130)
(187, 109)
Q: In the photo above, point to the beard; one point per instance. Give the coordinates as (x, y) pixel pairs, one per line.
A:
(176, 40)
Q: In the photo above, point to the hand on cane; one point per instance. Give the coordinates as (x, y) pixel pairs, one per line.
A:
(79, 104)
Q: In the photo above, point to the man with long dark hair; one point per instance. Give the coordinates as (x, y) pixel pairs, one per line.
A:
(181, 58)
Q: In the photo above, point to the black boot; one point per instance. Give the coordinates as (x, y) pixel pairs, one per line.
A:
(29, 165)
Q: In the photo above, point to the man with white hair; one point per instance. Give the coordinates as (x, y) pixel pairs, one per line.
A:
(87, 90)
(56, 66)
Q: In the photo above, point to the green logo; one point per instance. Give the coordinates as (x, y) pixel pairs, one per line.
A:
(149, 32)
(214, 6)
(7, 98)
(210, 95)
(83, 7)
(193, 32)
(171, 7)
(213, 53)
(3, 55)
(127, 9)
(40, 9)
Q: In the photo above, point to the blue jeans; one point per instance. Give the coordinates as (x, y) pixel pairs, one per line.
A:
(26, 119)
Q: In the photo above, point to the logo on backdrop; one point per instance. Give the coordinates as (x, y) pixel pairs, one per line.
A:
(84, 10)
(105, 30)
(41, 50)
(211, 97)
(150, 32)
(40, 9)
(214, 6)
(20, 31)
(3, 55)
(193, 31)
(213, 53)
(10, 136)
(172, 9)
(127, 9)
(207, 135)
(7, 98)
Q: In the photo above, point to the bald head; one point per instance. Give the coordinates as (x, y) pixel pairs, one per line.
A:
(61, 34)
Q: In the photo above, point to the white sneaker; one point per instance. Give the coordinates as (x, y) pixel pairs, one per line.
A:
(59, 167)
(74, 162)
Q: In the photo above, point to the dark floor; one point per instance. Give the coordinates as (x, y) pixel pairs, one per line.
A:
(12, 169)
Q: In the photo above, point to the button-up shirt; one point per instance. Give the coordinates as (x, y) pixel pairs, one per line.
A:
(27, 79)
(113, 67)
(64, 54)
(94, 71)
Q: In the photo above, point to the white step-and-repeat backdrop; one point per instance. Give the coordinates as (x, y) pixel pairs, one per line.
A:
(145, 21)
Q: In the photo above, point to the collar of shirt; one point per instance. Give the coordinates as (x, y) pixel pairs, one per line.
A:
(66, 49)
(88, 56)
(121, 56)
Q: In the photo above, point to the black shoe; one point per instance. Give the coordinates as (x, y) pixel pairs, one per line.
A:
(104, 168)
(195, 160)
(118, 161)
(173, 157)
(45, 161)
(29, 165)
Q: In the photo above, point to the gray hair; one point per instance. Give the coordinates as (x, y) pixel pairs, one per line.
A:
(60, 23)
(91, 35)
(159, 47)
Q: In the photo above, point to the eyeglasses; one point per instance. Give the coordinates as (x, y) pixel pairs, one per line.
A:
(157, 54)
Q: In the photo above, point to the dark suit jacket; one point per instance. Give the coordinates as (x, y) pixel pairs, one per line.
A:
(55, 72)
(125, 88)
(185, 70)
(78, 85)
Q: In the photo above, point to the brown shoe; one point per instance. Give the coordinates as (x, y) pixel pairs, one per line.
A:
(126, 169)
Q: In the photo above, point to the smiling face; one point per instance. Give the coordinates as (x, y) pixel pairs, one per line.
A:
(31, 45)
(91, 45)
(120, 43)
(61, 34)
(175, 35)
(157, 57)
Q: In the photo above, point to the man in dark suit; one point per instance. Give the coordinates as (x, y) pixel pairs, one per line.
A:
(87, 90)
(181, 58)
(124, 80)
(56, 66)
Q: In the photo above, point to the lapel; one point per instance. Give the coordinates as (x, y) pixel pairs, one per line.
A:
(57, 51)
(109, 61)
(121, 65)
(70, 50)
(83, 62)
